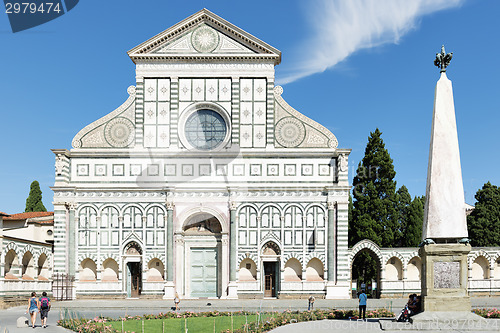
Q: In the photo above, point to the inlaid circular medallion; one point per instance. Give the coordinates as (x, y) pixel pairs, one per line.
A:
(119, 132)
(204, 39)
(290, 132)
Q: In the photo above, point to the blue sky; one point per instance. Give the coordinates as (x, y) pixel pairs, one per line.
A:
(352, 66)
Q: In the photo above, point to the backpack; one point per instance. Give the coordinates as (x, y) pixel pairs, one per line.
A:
(44, 303)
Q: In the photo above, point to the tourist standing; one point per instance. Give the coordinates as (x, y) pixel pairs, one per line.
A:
(176, 301)
(44, 308)
(311, 303)
(33, 307)
(362, 304)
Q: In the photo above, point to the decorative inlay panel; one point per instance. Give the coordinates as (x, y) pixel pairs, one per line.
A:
(255, 170)
(307, 169)
(119, 132)
(289, 132)
(170, 169)
(82, 169)
(238, 169)
(447, 275)
(100, 170)
(273, 170)
(118, 169)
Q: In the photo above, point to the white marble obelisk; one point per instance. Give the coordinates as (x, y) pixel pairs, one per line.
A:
(444, 281)
(444, 216)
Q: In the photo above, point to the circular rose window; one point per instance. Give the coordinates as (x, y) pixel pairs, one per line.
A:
(205, 129)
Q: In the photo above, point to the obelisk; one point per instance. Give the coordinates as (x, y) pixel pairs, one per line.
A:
(444, 216)
(445, 244)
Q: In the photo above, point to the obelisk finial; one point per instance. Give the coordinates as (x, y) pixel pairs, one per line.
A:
(443, 59)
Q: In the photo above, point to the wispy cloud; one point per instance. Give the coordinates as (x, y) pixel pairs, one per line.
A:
(342, 27)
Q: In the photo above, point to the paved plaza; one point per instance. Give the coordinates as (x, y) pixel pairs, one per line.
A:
(117, 308)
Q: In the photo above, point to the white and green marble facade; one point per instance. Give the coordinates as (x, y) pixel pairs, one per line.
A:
(276, 181)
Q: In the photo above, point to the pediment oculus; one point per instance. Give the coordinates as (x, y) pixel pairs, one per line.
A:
(203, 39)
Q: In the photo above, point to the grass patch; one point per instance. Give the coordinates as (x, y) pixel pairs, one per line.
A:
(175, 325)
(207, 322)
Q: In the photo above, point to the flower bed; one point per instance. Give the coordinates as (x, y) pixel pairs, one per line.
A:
(487, 313)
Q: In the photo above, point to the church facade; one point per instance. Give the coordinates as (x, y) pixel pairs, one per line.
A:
(204, 182)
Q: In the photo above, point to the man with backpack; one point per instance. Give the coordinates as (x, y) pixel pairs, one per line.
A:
(44, 308)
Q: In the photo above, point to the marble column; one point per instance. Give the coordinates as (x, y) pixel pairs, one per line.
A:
(71, 239)
(169, 287)
(233, 260)
(331, 242)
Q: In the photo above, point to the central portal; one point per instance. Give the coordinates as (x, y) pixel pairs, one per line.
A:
(202, 238)
(134, 279)
(271, 264)
(270, 279)
(204, 272)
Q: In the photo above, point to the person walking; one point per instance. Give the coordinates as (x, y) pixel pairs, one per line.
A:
(311, 303)
(362, 304)
(177, 300)
(44, 308)
(33, 308)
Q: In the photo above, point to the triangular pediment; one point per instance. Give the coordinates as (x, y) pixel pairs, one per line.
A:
(204, 36)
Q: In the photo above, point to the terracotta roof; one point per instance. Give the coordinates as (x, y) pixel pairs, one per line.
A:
(23, 216)
(4, 214)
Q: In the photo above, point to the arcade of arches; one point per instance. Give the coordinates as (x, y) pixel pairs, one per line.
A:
(397, 270)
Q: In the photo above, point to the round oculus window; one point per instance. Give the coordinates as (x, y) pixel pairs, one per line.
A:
(205, 129)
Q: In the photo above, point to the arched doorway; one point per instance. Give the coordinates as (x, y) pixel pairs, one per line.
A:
(132, 254)
(365, 260)
(202, 235)
(270, 255)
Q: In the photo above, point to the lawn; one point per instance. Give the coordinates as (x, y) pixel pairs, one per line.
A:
(193, 324)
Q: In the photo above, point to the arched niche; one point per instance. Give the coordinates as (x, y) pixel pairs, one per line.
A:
(248, 270)
(480, 269)
(496, 270)
(28, 262)
(414, 269)
(88, 270)
(11, 263)
(110, 270)
(156, 270)
(394, 269)
(293, 270)
(43, 267)
(315, 270)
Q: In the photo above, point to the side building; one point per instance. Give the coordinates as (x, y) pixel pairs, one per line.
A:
(26, 259)
(204, 182)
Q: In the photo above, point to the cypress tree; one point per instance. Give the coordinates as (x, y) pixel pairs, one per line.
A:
(34, 201)
(412, 233)
(374, 189)
(403, 202)
(484, 221)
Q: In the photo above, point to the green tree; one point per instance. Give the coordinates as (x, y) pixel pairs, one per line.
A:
(484, 221)
(34, 202)
(403, 202)
(374, 189)
(412, 232)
